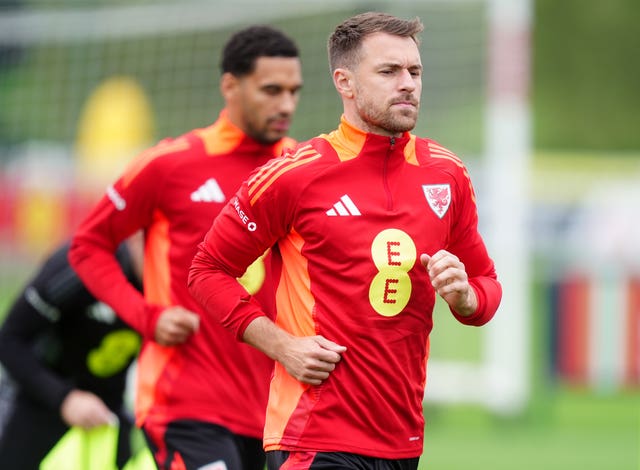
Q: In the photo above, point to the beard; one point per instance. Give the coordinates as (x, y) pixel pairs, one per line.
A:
(258, 127)
(260, 132)
(387, 118)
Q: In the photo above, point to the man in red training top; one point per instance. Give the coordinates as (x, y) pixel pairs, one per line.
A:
(201, 394)
(370, 223)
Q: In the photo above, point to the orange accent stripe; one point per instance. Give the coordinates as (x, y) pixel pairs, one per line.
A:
(268, 167)
(285, 395)
(281, 167)
(285, 143)
(295, 286)
(154, 357)
(410, 151)
(151, 364)
(295, 316)
(439, 148)
(471, 190)
(224, 136)
(157, 277)
(437, 151)
(346, 141)
(445, 156)
(220, 138)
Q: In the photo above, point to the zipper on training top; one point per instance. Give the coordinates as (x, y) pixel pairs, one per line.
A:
(385, 179)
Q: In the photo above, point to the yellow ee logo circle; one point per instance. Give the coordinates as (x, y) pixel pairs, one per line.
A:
(394, 254)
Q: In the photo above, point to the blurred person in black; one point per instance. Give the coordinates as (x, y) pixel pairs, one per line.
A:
(65, 357)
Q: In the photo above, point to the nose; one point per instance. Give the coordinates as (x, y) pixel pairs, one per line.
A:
(407, 81)
(288, 103)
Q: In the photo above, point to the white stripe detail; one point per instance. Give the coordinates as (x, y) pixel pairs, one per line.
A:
(210, 191)
(115, 197)
(344, 207)
(341, 209)
(350, 205)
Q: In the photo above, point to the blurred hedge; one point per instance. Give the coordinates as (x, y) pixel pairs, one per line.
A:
(586, 83)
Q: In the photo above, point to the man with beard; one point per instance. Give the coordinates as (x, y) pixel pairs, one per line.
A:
(369, 222)
(201, 395)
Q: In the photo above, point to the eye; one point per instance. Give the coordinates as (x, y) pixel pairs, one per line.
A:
(272, 90)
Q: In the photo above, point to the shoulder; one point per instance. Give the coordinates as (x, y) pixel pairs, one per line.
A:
(290, 173)
(431, 153)
(300, 160)
(55, 263)
(164, 155)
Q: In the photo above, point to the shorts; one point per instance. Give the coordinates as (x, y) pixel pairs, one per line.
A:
(197, 445)
(285, 460)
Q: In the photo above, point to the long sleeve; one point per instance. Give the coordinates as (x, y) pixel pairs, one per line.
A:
(469, 246)
(120, 213)
(32, 315)
(220, 260)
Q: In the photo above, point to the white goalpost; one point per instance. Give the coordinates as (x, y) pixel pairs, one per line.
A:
(501, 380)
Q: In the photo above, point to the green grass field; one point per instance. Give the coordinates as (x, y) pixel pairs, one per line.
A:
(564, 430)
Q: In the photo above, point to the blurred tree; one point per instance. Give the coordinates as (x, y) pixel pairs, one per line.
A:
(10, 55)
(587, 74)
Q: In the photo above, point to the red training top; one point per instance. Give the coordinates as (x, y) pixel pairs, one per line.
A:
(173, 191)
(350, 213)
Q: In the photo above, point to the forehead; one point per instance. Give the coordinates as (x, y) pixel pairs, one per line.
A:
(384, 48)
(283, 71)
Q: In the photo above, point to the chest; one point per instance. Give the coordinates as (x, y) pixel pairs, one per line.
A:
(370, 212)
(199, 188)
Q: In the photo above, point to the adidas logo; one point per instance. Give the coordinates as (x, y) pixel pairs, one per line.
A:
(344, 207)
(209, 192)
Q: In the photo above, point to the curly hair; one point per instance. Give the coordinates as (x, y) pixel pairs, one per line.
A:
(245, 46)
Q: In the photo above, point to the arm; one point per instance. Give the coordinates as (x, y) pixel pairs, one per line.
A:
(55, 292)
(228, 248)
(463, 274)
(92, 256)
(309, 359)
(22, 326)
(129, 206)
(451, 282)
(472, 300)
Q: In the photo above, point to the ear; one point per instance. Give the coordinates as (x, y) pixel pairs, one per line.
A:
(344, 82)
(228, 86)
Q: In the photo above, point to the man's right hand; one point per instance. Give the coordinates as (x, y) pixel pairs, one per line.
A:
(310, 359)
(85, 409)
(175, 325)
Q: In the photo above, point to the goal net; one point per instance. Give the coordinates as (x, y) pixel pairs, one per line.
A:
(84, 85)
